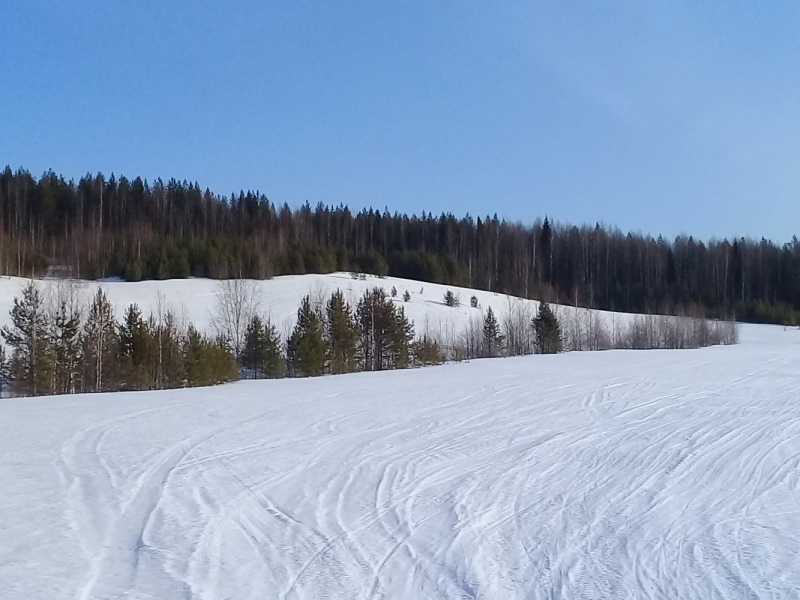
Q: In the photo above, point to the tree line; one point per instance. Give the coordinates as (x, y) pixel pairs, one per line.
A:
(103, 226)
(60, 344)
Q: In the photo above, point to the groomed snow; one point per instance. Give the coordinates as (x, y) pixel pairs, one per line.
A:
(620, 474)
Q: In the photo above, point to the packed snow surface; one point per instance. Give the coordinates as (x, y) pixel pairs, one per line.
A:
(620, 474)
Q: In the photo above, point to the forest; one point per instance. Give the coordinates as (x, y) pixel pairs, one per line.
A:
(113, 226)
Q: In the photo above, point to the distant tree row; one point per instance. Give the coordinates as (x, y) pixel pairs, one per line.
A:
(331, 336)
(104, 226)
(60, 344)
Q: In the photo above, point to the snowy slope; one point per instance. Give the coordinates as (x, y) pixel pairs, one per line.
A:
(621, 474)
(195, 299)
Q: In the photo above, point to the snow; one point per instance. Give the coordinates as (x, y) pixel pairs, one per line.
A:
(279, 298)
(619, 474)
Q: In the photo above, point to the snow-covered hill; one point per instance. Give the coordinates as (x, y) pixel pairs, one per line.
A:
(195, 299)
(621, 474)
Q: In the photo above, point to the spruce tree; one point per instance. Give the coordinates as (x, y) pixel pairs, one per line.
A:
(547, 331)
(306, 348)
(207, 362)
(451, 299)
(136, 350)
(5, 371)
(341, 334)
(31, 359)
(427, 352)
(492, 338)
(262, 352)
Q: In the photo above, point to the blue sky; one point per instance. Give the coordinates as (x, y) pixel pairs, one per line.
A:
(660, 117)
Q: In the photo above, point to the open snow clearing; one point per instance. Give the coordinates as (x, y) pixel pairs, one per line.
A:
(620, 474)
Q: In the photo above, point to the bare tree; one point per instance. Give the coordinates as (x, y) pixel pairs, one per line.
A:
(237, 303)
(517, 326)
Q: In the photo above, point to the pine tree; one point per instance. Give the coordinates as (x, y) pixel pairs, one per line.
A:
(374, 325)
(306, 348)
(169, 367)
(401, 338)
(492, 338)
(385, 334)
(31, 360)
(65, 338)
(341, 334)
(547, 331)
(406, 296)
(262, 351)
(100, 346)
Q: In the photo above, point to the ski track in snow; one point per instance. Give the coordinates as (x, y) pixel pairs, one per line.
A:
(654, 474)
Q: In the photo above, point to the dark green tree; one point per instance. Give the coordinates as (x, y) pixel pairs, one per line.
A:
(5, 371)
(492, 338)
(451, 299)
(341, 334)
(427, 352)
(306, 348)
(207, 362)
(137, 351)
(32, 356)
(547, 331)
(67, 348)
(401, 338)
(262, 350)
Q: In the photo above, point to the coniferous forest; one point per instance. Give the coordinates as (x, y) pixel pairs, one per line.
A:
(113, 226)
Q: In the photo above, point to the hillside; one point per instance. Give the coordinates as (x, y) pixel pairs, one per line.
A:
(194, 300)
(600, 474)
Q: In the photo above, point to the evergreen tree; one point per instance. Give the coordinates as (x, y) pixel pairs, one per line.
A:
(207, 362)
(306, 348)
(547, 331)
(5, 371)
(31, 360)
(451, 299)
(401, 338)
(169, 367)
(375, 326)
(67, 348)
(136, 350)
(341, 334)
(100, 345)
(406, 296)
(385, 332)
(492, 338)
(427, 352)
(262, 350)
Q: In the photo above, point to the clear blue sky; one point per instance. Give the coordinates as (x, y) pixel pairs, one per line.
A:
(661, 117)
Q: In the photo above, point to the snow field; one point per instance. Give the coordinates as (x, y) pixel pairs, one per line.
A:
(620, 474)
(194, 300)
